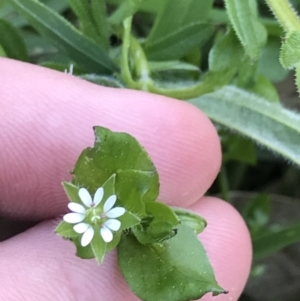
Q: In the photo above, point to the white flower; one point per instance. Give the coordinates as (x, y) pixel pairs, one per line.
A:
(106, 216)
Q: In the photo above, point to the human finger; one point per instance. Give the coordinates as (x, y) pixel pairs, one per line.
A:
(41, 266)
(46, 120)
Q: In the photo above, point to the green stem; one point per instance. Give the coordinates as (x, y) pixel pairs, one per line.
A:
(125, 70)
(212, 81)
(141, 64)
(285, 14)
(131, 46)
(224, 185)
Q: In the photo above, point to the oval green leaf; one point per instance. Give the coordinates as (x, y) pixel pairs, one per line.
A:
(175, 270)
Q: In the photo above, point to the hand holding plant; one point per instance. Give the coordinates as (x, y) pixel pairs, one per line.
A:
(49, 117)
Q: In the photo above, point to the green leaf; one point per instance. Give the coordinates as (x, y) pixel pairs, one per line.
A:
(17, 20)
(268, 124)
(270, 243)
(12, 42)
(269, 64)
(190, 219)
(81, 49)
(131, 186)
(162, 212)
(177, 269)
(265, 88)
(72, 192)
(153, 191)
(237, 148)
(128, 220)
(162, 224)
(246, 75)
(93, 20)
(178, 43)
(112, 152)
(257, 212)
(83, 252)
(98, 8)
(221, 55)
(297, 73)
(66, 230)
(126, 9)
(187, 12)
(113, 244)
(290, 52)
(248, 28)
(99, 248)
(2, 52)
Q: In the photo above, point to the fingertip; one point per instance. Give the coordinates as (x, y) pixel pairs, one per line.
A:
(228, 246)
(48, 118)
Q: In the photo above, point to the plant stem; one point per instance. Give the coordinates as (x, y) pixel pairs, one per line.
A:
(224, 185)
(141, 64)
(212, 81)
(285, 14)
(125, 70)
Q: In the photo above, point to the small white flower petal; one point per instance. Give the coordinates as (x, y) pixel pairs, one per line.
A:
(113, 224)
(109, 203)
(87, 236)
(85, 197)
(115, 212)
(73, 218)
(106, 234)
(76, 208)
(98, 196)
(81, 227)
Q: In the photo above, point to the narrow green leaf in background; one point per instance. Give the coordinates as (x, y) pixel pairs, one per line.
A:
(265, 88)
(89, 17)
(180, 42)
(248, 28)
(186, 11)
(17, 20)
(155, 271)
(80, 48)
(12, 42)
(272, 242)
(269, 64)
(98, 8)
(266, 123)
(125, 10)
(172, 38)
(257, 212)
(237, 148)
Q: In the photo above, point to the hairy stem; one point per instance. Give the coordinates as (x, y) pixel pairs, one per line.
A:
(285, 14)
(125, 70)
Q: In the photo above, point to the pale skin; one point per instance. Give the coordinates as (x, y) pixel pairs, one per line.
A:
(46, 120)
